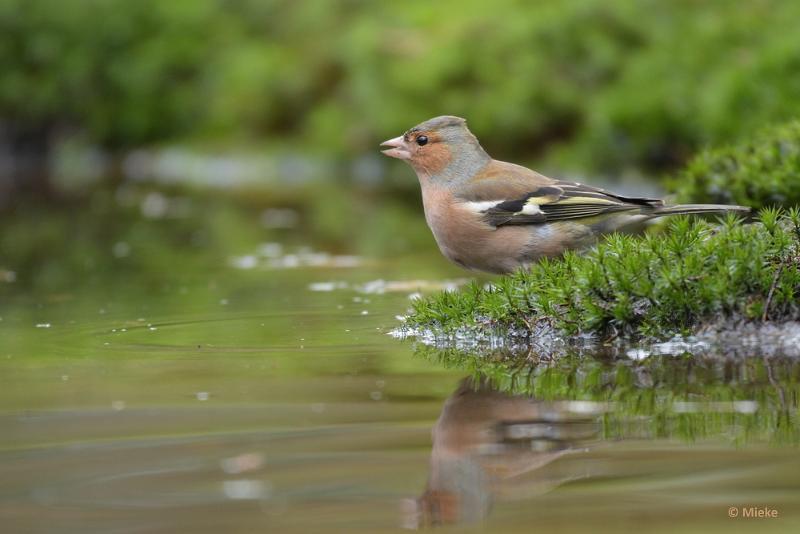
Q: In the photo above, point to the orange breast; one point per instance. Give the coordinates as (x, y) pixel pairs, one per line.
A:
(464, 238)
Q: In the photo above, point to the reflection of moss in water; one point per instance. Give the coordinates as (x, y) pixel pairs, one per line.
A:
(688, 397)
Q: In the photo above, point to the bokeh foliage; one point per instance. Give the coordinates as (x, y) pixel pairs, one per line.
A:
(598, 84)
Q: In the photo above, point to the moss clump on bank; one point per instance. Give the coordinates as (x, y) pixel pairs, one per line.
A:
(652, 286)
(764, 171)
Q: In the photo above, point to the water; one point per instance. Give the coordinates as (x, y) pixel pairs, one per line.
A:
(265, 395)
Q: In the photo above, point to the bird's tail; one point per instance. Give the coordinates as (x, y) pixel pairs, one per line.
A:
(699, 208)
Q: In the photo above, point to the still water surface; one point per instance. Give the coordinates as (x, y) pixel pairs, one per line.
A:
(264, 398)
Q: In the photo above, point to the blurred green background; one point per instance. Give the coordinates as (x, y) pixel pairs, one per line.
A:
(253, 104)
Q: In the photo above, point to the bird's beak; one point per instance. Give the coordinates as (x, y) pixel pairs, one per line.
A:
(397, 148)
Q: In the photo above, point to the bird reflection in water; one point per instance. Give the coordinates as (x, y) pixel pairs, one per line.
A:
(490, 446)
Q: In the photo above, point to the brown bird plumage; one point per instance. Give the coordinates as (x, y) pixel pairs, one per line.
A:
(496, 217)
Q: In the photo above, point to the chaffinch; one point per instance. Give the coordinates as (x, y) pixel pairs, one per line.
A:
(489, 215)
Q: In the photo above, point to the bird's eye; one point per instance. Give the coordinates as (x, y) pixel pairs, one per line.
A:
(422, 140)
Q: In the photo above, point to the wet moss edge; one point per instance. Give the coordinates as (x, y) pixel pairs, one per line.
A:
(695, 274)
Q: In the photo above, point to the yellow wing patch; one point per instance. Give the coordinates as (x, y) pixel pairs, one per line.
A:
(585, 200)
(544, 199)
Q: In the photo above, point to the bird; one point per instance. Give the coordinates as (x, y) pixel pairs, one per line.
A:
(497, 217)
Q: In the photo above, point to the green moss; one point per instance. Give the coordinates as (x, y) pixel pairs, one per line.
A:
(764, 171)
(651, 286)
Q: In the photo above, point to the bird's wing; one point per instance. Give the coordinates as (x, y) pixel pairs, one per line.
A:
(557, 202)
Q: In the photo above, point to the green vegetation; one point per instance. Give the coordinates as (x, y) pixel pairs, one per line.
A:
(688, 397)
(706, 73)
(762, 172)
(600, 84)
(653, 286)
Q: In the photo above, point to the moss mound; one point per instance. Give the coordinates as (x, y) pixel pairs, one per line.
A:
(764, 171)
(643, 286)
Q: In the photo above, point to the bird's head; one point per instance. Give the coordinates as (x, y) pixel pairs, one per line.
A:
(437, 147)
